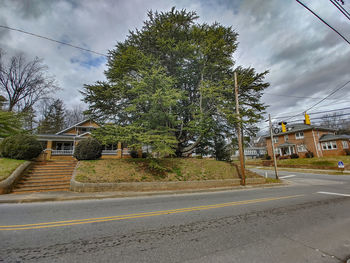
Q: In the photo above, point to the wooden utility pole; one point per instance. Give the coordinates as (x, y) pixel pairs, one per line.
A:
(239, 133)
(273, 147)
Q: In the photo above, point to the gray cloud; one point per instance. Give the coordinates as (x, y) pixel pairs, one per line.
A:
(304, 57)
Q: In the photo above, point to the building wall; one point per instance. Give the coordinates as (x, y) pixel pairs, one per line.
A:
(310, 140)
(336, 152)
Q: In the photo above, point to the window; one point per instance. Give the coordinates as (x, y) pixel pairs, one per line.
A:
(275, 139)
(329, 145)
(277, 151)
(301, 148)
(345, 145)
(299, 135)
(286, 138)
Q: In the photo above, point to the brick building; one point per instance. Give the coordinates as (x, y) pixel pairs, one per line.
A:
(303, 138)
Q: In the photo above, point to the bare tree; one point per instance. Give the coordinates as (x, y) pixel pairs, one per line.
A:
(332, 120)
(24, 83)
(74, 115)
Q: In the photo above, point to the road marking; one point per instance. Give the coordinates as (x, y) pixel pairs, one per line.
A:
(330, 193)
(139, 215)
(287, 176)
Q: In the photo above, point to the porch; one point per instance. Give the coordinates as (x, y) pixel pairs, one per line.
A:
(286, 149)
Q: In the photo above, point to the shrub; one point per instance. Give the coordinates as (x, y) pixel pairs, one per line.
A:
(134, 154)
(267, 157)
(88, 149)
(294, 156)
(347, 151)
(309, 154)
(146, 155)
(21, 147)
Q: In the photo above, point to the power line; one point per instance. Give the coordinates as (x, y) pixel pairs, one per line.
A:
(53, 40)
(311, 113)
(336, 31)
(341, 9)
(333, 92)
(298, 97)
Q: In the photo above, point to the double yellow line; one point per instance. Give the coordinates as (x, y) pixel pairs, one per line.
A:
(139, 215)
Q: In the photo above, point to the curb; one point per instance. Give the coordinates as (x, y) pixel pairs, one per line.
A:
(7, 184)
(105, 195)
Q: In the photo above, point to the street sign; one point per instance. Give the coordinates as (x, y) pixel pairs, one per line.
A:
(341, 165)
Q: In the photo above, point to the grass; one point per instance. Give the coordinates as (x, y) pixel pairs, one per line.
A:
(316, 163)
(7, 166)
(149, 170)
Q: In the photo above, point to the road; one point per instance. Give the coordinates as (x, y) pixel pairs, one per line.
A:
(306, 221)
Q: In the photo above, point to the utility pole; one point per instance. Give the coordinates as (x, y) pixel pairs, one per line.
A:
(273, 147)
(239, 133)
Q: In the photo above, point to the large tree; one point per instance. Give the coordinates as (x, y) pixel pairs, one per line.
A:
(53, 118)
(170, 85)
(23, 83)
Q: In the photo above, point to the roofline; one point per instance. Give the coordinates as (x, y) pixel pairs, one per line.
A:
(302, 129)
(77, 124)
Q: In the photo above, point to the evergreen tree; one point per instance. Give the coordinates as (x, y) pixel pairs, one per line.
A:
(53, 119)
(170, 85)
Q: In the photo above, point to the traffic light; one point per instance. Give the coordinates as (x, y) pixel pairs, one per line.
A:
(283, 124)
(307, 119)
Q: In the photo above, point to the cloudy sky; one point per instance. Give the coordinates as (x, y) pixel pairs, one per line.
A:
(305, 58)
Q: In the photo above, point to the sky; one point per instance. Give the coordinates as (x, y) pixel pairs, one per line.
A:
(306, 60)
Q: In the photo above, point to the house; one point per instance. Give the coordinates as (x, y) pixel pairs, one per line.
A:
(61, 145)
(254, 152)
(302, 138)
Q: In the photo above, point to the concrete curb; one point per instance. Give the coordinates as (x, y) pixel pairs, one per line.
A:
(7, 184)
(156, 186)
(73, 196)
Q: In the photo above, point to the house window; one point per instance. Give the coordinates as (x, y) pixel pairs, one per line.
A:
(329, 145)
(275, 139)
(345, 145)
(277, 151)
(301, 148)
(299, 135)
(286, 138)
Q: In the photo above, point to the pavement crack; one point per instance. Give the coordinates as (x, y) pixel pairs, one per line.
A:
(311, 247)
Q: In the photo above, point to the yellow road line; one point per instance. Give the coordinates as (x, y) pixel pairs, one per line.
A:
(139, 215)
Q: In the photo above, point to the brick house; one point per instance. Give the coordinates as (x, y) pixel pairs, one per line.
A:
(302, 138)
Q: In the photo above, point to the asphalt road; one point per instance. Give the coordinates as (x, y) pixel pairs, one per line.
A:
(306, 221)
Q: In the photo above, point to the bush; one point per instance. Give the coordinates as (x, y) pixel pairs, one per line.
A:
(134, 154)
(309, 154)
(267, 157)
(21, 147)
(294, 156)
(88, 149)
(347, 151)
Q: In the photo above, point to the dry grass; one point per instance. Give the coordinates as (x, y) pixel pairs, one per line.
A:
(7, 166)
(149, 170)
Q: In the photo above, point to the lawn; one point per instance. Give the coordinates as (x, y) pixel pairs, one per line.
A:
(149, 170)
(321, 162)
(7, 166)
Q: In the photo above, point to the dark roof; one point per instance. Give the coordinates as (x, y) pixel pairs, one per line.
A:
(45, 137)
(332, 137)
(298, 127)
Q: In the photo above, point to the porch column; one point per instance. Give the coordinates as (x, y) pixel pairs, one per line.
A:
(48, 150)
(119, 150)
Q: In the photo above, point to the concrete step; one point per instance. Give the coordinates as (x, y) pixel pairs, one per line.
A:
(52, 167)
(44, 181)
(46, 189)
(51, 171)
(53, 177)
(41, 185)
